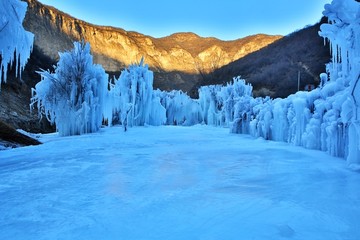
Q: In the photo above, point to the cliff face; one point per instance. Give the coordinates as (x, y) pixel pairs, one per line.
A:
(179, 57)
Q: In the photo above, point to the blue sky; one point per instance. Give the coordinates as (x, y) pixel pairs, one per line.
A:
(226, 19)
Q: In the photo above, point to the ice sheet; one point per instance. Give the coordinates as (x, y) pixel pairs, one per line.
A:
(171, 182)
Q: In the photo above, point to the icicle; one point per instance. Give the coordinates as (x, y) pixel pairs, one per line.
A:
(13, 37)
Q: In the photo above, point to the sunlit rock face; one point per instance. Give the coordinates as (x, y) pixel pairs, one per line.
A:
(177, 57)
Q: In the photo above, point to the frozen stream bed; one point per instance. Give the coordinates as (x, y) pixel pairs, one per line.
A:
(175, 183)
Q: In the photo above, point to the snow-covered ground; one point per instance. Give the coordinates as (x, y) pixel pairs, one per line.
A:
(171, 182)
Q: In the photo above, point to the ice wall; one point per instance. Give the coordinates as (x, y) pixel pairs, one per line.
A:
(343, 32)
(15, 42)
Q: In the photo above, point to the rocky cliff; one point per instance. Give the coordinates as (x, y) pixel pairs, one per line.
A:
(177, 60)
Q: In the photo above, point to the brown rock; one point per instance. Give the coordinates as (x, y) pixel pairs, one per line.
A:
(10, 135)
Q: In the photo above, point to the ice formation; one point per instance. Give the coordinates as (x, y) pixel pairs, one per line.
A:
(132, 99)
(180, 108)
(73, 97)
(15, 43)
(218, 103)
(343, 31)
(326, 118)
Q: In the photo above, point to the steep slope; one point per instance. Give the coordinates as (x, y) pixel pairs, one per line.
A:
(274, 70)
(176, 59)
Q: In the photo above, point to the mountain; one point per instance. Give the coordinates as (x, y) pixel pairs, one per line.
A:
(180, 61)
(176, 60)
(274, 70)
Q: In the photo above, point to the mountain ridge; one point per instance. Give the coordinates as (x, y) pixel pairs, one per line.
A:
(115, 48)
(273, 70)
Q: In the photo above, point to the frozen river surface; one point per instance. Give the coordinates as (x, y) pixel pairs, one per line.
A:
(175, 183)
